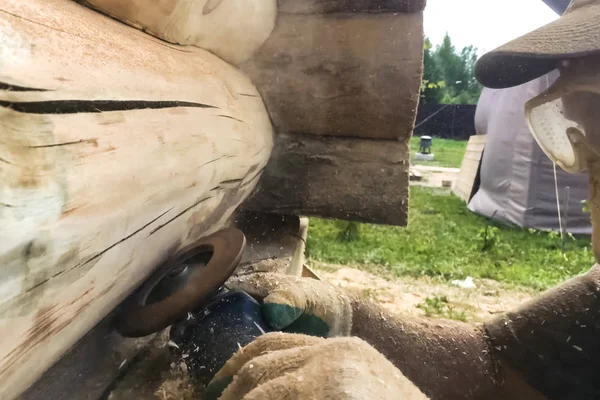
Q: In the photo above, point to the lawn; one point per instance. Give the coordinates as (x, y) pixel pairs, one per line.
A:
(448, 152)
(444, 239)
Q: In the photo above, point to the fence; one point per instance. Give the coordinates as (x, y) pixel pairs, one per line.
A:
(450, 121)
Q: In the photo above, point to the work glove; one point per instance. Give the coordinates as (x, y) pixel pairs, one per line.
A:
(299, 305)
(285, 366)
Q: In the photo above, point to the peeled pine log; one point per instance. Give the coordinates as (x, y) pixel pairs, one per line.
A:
(116, 149)
(231, 29)
(330, 67)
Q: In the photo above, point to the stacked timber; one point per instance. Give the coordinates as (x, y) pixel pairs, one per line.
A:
(341, 80)
(348, 69)
(125, 136)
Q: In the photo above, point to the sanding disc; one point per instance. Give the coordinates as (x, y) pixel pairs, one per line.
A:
(147, 312)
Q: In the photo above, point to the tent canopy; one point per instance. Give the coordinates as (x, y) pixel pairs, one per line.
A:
(517, 181)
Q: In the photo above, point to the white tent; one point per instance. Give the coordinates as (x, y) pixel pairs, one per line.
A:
(516, 179)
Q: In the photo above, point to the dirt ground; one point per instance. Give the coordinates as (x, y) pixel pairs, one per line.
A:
(409, 295)
(434, 176)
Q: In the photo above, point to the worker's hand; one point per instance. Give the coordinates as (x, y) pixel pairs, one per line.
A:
(285, 366)
(299, 305)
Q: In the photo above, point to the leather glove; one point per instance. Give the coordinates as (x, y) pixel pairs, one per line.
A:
(285, 366)
(299, 305)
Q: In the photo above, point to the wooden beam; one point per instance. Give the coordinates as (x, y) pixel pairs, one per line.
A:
(115, 150)
(349, 6)
(346, 178)
(353, 74)
(231, 29)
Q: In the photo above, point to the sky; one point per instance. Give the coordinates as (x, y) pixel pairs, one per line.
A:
(486, 24)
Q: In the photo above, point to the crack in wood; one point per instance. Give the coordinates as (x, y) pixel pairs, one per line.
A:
(211, 161)
(230, 181)
(177, 216)
(41, 146)
(6, 205)
(4, 160)
(248, 95)
(93, 106)
(230, 117)
(44, 25)
(16, 88)
(216, 159)
(97, 255)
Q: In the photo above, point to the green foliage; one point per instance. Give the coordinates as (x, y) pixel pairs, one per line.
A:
(448, 75)
(448, 152)
(349, 231)
(488, 237)
(440, 307)
(441, 241)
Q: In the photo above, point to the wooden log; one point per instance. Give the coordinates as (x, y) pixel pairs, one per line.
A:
(330, 67)
(231, 29)
(346, 178)
(349, 6)
(115, 150)
(341, 74)
(90, 367)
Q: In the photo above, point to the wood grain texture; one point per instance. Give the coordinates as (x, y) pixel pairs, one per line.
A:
(463, 186)
(341, 75)
(349, 6)
(231, 29)
(346, 178)
(88, 370)
(115, 150)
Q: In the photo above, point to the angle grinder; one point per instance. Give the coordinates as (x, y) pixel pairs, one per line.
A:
(209, 322)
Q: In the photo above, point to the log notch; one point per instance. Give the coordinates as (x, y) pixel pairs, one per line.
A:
(343, 68)
(115, 149)
(341, 80)
(231, 29)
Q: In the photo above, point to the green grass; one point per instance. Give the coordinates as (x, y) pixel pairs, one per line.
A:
(440, 307)
(444, 239)
(448, 153)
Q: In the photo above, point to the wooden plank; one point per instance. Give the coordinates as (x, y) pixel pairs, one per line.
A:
(469, 167)
(477, 139)
(345, 178)
(233, 30)
(349, 6)
(115, 150)
(355, 75)
(476, 147)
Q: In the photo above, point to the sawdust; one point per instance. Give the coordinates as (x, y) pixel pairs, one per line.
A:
(156, 375)
(178, 388)
(407, 295)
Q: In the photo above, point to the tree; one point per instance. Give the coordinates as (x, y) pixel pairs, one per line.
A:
(432, 88)
(448, 75)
